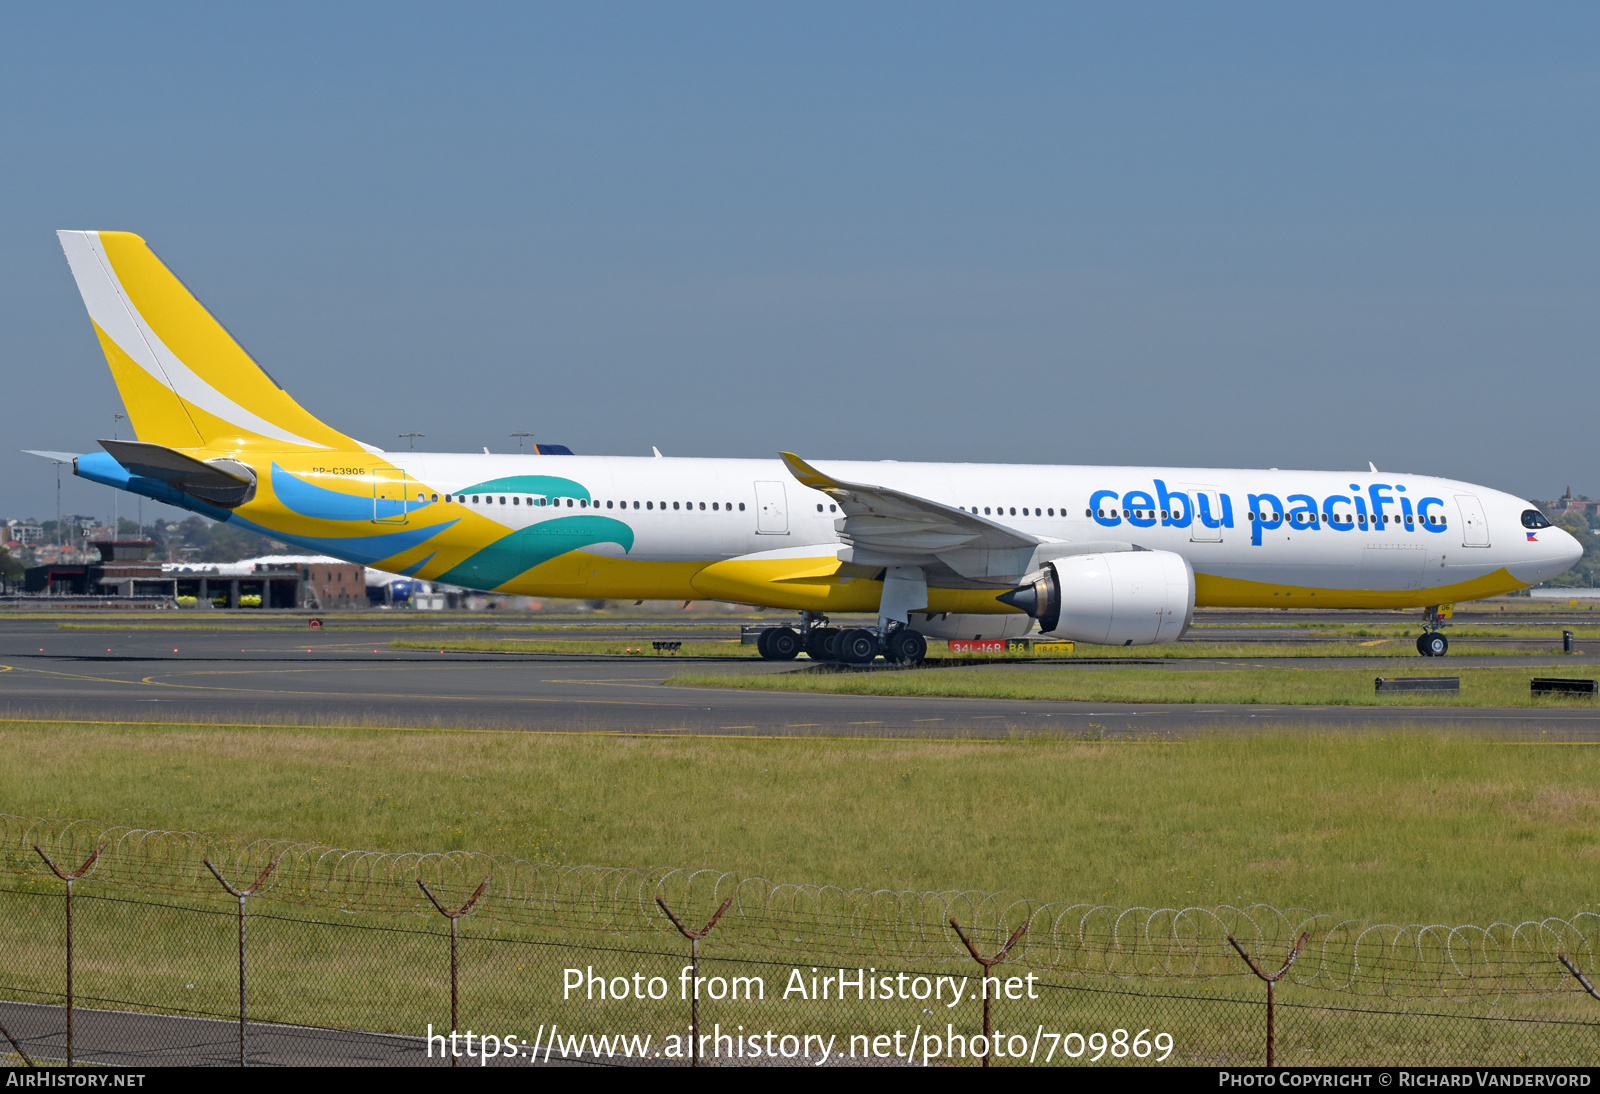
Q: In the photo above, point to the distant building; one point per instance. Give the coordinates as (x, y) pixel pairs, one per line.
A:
(122, 571)
(1580, 504)
(21, 533)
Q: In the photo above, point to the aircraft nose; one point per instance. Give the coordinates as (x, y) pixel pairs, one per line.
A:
(1571, 549)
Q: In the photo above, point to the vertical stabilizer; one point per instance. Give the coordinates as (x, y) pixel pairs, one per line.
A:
(185, 381)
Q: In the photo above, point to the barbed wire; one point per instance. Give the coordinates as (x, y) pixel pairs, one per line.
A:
(1464, 962)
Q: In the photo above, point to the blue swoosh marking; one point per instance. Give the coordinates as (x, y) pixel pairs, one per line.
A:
(100, 467)
(366, 550)
(415, 566)
(528, 547)
(319, 503)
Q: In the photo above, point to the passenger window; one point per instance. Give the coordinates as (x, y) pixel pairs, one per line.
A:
(674, 505)
(516, 501)
(474, 499)
(819, 507)
(649, 505)
(702, 505)
(713, 507)
(985, 510)
(741, 509)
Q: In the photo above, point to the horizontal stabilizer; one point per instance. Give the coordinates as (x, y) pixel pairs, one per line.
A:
(222, 482)
(57, 457)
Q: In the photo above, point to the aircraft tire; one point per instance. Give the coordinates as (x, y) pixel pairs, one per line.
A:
(907, 647)
(783, 644)
(822, 644)
(761, 644)
(1433, 644)
(856, 646)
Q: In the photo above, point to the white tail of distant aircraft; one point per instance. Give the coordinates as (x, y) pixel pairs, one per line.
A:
(1111, 555)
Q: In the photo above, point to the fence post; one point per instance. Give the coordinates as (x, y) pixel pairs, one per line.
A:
(452, 917)
(241, 894)
(1575, 971)
(14, 1044)
(987, 963)
(1271, 980)
(694, 938)
(69, 879)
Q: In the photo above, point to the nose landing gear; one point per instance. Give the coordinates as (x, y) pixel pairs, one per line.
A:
(1431, 643)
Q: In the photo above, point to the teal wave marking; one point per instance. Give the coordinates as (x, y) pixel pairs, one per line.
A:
(550, 486)
(528, 547)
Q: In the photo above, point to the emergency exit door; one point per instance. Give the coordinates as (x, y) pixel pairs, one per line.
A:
(389, 496)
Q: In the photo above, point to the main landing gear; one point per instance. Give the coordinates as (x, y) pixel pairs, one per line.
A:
(1431, 643)
(855, 646)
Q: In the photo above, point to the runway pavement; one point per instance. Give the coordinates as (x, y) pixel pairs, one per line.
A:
(352, 677)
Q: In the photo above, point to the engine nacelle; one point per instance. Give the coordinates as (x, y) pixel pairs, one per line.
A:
(968, 627)
(1124, 598)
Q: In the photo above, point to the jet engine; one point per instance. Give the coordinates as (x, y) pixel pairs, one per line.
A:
(1126, 598)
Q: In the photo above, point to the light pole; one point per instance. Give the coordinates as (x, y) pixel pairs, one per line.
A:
(521, 435)
(412, 437)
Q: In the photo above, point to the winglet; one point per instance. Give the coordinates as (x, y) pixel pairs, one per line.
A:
(807, 475)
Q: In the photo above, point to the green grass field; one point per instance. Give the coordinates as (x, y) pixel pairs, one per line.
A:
(1291, 685)
(1401, 827)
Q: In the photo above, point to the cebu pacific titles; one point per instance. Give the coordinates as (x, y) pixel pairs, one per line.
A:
(1118, 555)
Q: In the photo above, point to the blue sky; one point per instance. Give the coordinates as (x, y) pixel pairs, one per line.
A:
(1238, 235)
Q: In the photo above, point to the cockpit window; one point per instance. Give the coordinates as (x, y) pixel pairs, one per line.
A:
(1532, 518)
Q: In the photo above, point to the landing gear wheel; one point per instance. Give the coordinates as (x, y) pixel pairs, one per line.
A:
(1433, 644)
(822, 644)
(783, 644)
(856, 647)
(907, 647)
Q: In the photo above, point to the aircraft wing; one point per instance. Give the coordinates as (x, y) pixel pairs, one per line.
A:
(887, 527)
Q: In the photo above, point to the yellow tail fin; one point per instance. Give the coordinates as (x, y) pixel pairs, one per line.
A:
(185, 381)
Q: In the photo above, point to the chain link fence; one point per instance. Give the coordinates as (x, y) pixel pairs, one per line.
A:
(339, 958)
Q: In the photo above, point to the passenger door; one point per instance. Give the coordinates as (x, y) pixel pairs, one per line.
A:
(772, 509)
(1474, 528)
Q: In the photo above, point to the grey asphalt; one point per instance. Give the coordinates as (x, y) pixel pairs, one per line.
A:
(340, 675)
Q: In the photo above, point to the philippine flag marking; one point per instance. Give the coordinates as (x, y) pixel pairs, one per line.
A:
(1533, 537)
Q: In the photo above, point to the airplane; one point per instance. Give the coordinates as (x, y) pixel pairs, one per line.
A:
(1108, 555)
